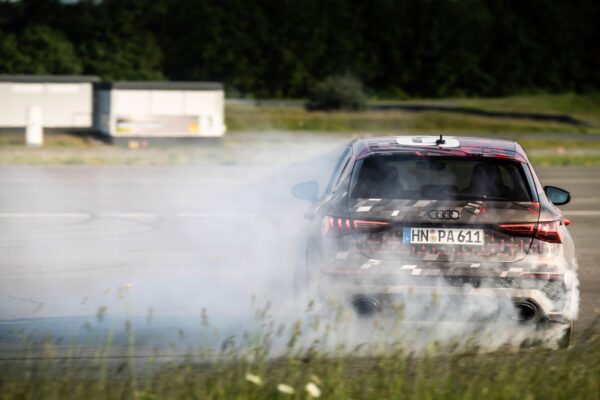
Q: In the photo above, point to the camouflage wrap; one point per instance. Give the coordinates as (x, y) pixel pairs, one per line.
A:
(498, 246)
(471, 212)
(364, 246)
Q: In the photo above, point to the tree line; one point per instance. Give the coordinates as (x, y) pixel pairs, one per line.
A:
(283, 48)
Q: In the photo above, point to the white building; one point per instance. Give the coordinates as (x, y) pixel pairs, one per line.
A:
(65, 101)
(159, 109)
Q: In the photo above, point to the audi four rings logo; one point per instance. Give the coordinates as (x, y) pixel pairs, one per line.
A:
(444, 214)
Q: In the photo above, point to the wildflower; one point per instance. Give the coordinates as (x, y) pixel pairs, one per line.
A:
(283, 388)
(313, 390)
(257, 380)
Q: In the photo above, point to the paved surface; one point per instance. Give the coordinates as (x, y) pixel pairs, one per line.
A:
(79, 244)
(165, 242)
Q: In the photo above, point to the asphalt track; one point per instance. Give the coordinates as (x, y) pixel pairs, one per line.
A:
(82, 241)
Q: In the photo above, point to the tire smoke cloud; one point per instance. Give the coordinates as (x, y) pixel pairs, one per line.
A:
(206, 263)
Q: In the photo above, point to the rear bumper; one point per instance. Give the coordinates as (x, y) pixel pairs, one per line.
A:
(451, 292)
(546, 283)
(464, 296)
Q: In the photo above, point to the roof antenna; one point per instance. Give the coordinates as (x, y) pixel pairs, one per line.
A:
(440, 141)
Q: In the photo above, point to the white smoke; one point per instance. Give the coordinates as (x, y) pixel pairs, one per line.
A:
(226, 271)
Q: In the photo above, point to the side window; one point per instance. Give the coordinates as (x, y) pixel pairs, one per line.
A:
(339, 168)
(512, 179)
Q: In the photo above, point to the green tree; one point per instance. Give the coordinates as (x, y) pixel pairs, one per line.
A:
(117, 42)
(38, 49)
(283, 48)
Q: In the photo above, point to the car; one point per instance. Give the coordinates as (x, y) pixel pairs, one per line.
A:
(464, 223)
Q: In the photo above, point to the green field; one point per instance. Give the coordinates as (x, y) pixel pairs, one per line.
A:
(79, 151)
(251, 118)
(586, 107)
(292, 116)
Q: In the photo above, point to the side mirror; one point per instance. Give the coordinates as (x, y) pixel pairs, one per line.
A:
(557, 196)
(306, 191)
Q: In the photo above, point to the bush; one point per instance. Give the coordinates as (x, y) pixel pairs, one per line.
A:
(340, 92)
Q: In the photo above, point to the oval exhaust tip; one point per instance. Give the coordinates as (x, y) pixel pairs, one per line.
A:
(525, 312)
(365, 306)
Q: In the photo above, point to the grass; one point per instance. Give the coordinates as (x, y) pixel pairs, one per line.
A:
(246, 371)
(292, 116)
(577, 105)
(15, 139)
(241, 118)
(540, 375)
(101, 156)
(549, 160)
(240, 150)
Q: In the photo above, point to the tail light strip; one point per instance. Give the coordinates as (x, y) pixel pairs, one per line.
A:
(341, 226)
(545, 231)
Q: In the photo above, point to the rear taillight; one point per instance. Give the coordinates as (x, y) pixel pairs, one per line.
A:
(519, 229)
(546, 231)
(337, 226)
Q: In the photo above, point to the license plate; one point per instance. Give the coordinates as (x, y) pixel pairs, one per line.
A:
(472, 237)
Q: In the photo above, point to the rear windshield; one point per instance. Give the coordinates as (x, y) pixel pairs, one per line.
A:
(439, 178)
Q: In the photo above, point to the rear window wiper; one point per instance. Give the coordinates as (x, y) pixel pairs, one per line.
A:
(493, 198)
(467, 196)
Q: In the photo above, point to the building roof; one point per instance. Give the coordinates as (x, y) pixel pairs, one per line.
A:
(22, 78)
(160, 85)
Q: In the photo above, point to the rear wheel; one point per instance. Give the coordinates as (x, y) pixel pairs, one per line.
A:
(565, 340)
(554, 335)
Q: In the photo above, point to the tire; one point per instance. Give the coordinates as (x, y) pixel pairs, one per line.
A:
(565, 340)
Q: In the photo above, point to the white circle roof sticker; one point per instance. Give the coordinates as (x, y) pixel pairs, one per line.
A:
(427, 141)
